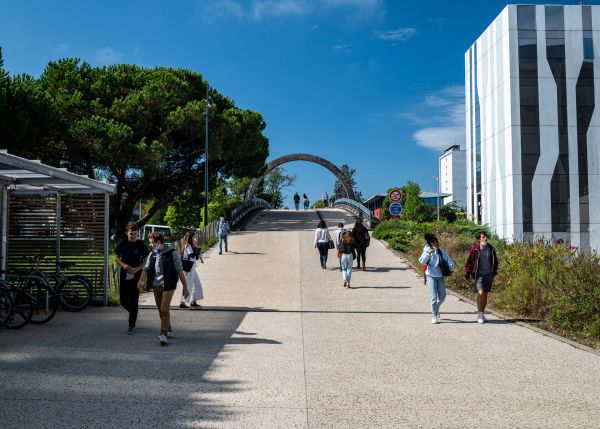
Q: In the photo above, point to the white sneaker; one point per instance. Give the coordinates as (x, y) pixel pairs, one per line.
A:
(162, 338)
(438, 318)
(481, 318)
(435, 320)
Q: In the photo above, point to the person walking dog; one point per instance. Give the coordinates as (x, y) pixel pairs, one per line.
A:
(131, 254)
(481, 265)
(322, 239)
(439, 264)
(163, 268)
(223, 229)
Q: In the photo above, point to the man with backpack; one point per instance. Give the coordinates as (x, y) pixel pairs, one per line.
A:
(223, 229)
(362, 239)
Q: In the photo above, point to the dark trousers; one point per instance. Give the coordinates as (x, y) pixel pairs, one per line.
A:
(323, 250)
(130, 295)
(361, 252)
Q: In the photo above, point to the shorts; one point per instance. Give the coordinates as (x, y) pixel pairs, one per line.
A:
(484, 282)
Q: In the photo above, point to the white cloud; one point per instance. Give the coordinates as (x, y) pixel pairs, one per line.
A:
(397, 35)
(441, 118)
(259, 10)
(108, 55)
(345, 49)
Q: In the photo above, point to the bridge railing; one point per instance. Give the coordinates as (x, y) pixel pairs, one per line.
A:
(239, 213)
(358, 210)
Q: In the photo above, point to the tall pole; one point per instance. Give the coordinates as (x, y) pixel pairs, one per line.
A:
(206, 160)
(438, 196)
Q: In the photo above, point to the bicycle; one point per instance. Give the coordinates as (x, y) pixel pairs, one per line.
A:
(41, 295)
(16, 308)
(73, 292)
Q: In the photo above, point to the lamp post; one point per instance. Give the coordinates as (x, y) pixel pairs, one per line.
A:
(438, 196)
(206, 158)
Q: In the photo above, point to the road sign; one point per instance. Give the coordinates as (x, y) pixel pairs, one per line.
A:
(395, 209)
(395, 195)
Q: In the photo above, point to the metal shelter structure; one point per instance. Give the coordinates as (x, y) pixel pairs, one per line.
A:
(51, 211)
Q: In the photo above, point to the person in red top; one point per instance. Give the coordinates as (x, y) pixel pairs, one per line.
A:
(481, 265)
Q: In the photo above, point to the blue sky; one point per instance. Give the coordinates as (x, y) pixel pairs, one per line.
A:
(376, 84)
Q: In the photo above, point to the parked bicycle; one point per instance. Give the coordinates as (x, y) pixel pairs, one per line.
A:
(16, 308)
(73, 292)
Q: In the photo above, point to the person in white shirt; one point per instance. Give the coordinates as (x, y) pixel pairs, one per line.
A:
(190, 252)
(338, 239)
(322, 238)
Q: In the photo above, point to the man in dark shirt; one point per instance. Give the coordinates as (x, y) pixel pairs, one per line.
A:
(481, 264)
(131, 255)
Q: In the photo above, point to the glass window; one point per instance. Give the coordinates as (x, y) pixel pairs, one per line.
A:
(526, 17)
(530, 115)
(554, 18)
(529, 163)
(530, 145)
(588, 48)
(529, 95)
(527, 48)
(586, 12)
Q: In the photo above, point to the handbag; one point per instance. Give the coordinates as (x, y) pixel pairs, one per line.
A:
(331, 244)
(187, 265)
(444, 265)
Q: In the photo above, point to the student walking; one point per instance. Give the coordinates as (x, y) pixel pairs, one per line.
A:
(223, 229)
(432, 257)
(305, 201)
(297, 201)
(482, 265)
(362, 240)
(163, 268)
(347, 255)
(131, 254)
(338, 241)
(322, 239)
(189, 255)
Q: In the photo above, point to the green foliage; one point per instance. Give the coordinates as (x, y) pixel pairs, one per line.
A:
(273, 185)
(414, 208)
(338, 189)
(319, 204)
(449, 212)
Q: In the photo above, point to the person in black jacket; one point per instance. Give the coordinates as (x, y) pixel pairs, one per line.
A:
(362, 240)
(131, 254)
(163, 268)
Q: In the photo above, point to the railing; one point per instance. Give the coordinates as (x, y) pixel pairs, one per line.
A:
(239, 213)
(357, 209)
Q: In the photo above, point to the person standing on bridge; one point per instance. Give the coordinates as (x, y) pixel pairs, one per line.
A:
(322, 239)
(362, 240)
(432, 253)
(325, 199)
(297, 201)
(305, 201)
(482, 265)
(347, 250)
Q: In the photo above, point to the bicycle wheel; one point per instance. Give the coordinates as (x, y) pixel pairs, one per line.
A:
(5, 306)
(22, 310)
(75, 294)
(43, 300)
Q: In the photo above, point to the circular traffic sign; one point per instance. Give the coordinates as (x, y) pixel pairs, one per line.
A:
(395, 195)
(395, 209)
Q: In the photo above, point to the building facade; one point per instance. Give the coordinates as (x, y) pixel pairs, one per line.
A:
(453, 175)
(533, 130)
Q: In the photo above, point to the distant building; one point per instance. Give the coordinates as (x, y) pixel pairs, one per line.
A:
(533, 133)
(453, 175)
(432, 198)
(375, 204)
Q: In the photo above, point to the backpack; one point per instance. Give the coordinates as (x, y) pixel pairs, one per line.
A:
(367, 239)
(444, 265)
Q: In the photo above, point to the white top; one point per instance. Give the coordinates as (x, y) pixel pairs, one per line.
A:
(338, 237)
(322, 236)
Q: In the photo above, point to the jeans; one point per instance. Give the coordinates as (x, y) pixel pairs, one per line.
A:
(163, 303)
(323, 250)
(130, 295)
(346, 261)
(222, 238)
(437, 293)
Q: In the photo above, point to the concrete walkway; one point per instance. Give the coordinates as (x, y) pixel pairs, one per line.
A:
(280, 343)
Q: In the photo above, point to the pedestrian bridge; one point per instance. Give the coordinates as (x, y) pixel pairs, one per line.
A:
(280, 343)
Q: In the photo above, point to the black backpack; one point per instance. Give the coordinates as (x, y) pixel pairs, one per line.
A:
(367, 239)
(444, 265)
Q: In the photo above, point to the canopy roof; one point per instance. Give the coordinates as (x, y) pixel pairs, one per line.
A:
(31, 176)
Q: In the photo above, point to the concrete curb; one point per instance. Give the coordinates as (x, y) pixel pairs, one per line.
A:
(502, 316)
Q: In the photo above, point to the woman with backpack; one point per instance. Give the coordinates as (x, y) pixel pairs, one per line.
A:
(439, 264)
(346, 251)
(362, 240)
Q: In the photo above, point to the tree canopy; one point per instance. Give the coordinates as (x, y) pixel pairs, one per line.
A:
(338, 189)
(142, 129)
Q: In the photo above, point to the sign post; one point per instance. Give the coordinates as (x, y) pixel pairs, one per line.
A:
(395, 196)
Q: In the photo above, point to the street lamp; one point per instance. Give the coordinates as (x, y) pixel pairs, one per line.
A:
(206, 158)
(438, 196)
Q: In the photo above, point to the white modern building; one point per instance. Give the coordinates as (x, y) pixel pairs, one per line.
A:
(453, 175)
(533, 132)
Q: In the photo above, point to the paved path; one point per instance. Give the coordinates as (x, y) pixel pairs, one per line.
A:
(280, 343)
